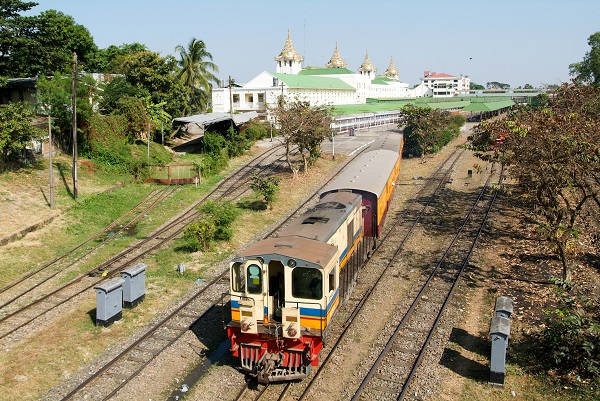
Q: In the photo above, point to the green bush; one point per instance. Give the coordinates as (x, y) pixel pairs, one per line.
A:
(199, 235)
(256, 130)
(572, 339)
(211, 164)
(213, 143)
(214, 224)
(223, 214)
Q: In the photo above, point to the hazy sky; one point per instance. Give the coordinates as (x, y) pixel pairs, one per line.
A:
(509, 41)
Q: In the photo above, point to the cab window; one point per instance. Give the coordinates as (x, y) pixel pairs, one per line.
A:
(254, 274)
(307, 283)
(238, 277)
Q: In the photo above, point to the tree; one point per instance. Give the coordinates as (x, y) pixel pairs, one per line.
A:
(497, 85)
(266, 187)
(587, 71)
(473, 86)
(150, 72)
(16, 131)
(14, 28)
(302, 125)
(196, 73)
(105, 60)
(562, 174)
(46, 43)
(424, 129)
(54, 96)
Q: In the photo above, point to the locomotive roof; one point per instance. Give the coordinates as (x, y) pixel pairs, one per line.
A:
(321, 221)
(369, 172)
(306, 252)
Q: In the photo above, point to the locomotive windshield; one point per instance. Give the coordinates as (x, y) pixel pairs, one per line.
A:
(254, 279)
(307, 283)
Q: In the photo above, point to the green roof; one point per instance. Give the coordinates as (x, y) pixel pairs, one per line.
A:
(325, 71)
(311, 82)
(489, 106)
(383, 80)
(464, 104)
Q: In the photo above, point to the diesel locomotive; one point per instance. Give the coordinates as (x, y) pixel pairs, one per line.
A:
(286, 290)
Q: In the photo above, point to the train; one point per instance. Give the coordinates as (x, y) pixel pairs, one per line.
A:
(285, 290)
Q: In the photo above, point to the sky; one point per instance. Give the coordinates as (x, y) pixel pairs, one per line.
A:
(516, 42)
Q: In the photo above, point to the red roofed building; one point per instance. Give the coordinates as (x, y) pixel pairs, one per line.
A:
(446, 85)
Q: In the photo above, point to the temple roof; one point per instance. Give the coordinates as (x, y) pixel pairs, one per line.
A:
(288, 52)
(336, 60)
(391, 71)
(367, 65)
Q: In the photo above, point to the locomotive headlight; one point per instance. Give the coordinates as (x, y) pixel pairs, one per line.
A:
(292, 331)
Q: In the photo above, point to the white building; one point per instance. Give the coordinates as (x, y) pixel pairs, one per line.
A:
(445, 85)
(333, 84)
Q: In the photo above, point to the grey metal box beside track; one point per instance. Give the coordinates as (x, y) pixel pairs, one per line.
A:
(504, 307)
(109, 301)
(134, 289)
(500, 332)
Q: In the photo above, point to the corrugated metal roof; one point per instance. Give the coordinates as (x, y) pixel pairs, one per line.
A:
(211, 118)
(312, 82)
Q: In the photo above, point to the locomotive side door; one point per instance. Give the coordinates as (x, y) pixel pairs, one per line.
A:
(276, 292)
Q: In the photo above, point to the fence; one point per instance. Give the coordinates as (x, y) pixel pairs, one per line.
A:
(174, 174)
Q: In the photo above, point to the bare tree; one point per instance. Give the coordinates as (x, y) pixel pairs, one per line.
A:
(302, 125)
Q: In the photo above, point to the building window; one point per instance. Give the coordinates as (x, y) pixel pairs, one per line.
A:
(261, 98)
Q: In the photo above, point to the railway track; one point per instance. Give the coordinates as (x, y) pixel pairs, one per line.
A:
(403, 348)
(391, 375)
(104, 383)
(69, 260)
(231, 187)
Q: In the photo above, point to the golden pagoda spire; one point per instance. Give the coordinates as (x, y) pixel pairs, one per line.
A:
(367, 66)
(391, 71)
(336, 60)
(289, 53)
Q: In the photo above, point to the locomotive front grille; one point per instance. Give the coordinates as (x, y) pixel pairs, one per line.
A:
(298, 366)
(249, 356)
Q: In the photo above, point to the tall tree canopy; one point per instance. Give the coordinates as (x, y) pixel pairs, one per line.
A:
(13, 29)
(587, 71)
(196, 73)
(42, 44)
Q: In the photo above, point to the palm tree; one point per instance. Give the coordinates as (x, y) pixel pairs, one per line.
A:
(196, 72)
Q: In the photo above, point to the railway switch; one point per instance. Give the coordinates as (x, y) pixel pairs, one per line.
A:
(109, 301)
(134, 288)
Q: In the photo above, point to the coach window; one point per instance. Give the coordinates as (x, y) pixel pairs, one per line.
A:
(254, 279)
(307, 283)
(238, 277)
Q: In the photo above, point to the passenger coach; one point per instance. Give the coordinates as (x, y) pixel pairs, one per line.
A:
(373, 175)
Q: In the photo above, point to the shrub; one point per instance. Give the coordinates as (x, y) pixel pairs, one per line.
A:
(213, 225)
(256, 130)
(223, 214)
(572, 339)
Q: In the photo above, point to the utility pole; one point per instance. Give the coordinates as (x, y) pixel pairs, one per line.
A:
(230, 96)
(74, 123)
(50, 157)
